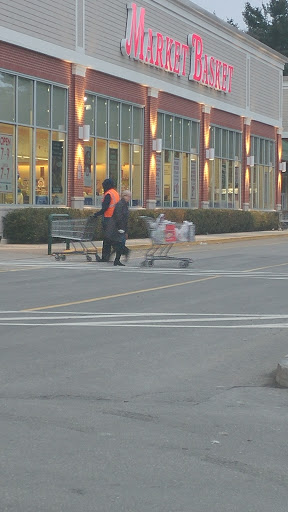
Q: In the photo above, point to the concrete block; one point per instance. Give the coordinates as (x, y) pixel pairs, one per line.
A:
(282, 372)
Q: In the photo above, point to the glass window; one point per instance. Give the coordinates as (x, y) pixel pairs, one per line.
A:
(114, 112)
(89, 112)
(24, 160)
(25, 101)
(160, 119)
(101, 117)
(42, 105)
(58, 167)
(195, 137)
(138, 124)
(168, 131)
(7, 174)
(187, 136)
(137, 177)
(41, 167)
(125, 167)
(177, 133)
(101, 168)
(7, 97)
(126, 122)
(114, 162)
(167, 177)
(88, 191)
(59, 108)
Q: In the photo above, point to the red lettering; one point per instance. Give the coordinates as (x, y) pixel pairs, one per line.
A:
(205, 71)
(185, 50)
(176, 68)
(159, 50)
(217, 76)
(230, 74)
(134, 41)
(149, 49)
(212, 71)
(197, 45)
(224, 76)
(168, 45)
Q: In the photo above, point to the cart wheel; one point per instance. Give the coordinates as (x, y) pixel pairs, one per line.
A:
(63, 257)
(57, 257)
(88, 258)
(97, 257)
(150, 263)
(184, 264)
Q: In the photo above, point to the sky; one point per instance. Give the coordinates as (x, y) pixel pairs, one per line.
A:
(228, 9)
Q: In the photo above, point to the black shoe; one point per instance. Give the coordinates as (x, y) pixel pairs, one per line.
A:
(118, 263)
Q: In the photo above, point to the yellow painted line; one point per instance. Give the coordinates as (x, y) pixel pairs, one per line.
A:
(268, 266)
(125, 294)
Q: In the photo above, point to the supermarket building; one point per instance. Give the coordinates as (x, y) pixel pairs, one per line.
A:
(160, 95)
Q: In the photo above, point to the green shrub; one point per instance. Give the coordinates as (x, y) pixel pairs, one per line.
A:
(30, 225)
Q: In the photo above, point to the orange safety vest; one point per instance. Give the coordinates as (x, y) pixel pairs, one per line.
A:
(114, 199)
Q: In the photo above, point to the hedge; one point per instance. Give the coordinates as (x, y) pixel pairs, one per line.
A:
(30, 225)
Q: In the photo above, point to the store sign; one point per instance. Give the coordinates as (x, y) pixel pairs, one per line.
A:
(164, 52)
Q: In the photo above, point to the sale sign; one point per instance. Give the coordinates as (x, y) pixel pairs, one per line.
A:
(6, 163)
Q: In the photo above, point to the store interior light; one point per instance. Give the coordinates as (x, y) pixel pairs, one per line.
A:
(157, 145)
(210, 153)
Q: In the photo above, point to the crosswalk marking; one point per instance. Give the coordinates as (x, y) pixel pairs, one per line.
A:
(145, 320)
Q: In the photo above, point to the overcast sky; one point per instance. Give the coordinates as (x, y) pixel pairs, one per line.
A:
(228, 8)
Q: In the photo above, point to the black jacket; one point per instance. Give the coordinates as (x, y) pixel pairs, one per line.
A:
(119, 220)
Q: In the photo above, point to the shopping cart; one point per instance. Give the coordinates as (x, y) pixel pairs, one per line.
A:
(78, 232)
(164, 235)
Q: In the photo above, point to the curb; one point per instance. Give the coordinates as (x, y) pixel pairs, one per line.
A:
(282, 372)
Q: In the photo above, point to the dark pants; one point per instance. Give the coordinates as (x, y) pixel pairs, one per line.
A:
(121, 248)
(107, 244)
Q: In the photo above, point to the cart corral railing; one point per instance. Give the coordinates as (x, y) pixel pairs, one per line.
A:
(55, 216)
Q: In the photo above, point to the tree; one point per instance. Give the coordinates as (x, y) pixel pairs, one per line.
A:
(269, 24)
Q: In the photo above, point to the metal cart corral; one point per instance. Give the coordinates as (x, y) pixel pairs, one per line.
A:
(164, 235)
(80, 233)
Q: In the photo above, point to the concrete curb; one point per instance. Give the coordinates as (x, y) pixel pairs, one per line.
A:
(282, 372)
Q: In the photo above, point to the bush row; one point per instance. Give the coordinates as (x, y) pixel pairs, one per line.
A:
(30, 225)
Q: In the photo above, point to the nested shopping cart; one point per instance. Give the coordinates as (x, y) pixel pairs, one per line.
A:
(78, 232)
(164, 235)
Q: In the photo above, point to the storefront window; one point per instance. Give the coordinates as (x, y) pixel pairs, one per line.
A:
(42, 105)
(101, 168)
(262, 174)
(24, 159)
(41, 167)
(7, 97)
(58, 168)
(7, 164)
(88, 173)
(177, 167)
(25, 101)
(118, 156)
(225, 169)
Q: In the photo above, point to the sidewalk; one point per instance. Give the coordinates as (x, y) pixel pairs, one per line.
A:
(17, 251)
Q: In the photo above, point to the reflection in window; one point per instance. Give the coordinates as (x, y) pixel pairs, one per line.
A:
(7, 97)
(43, 105)
(101, 168)
(25, 101)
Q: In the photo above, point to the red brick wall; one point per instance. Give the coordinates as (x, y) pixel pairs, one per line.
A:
(115, 87)
(19, 60)
(226, 120)
(179, 106)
